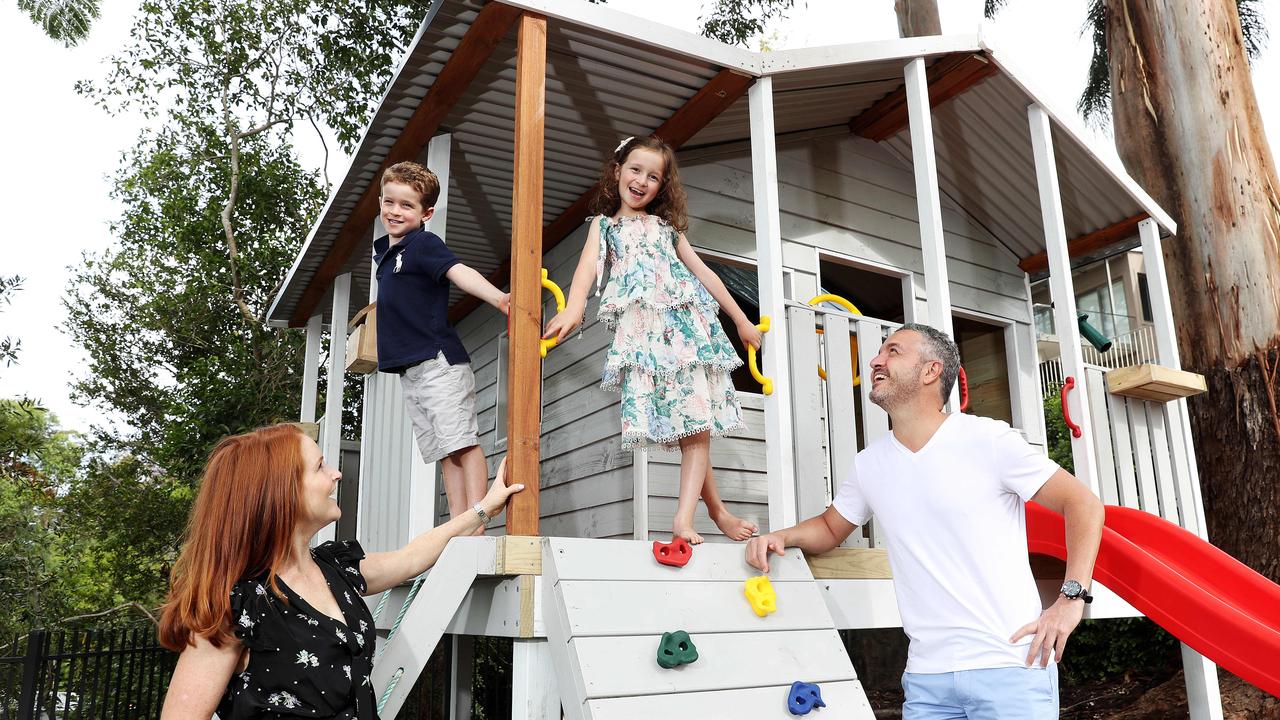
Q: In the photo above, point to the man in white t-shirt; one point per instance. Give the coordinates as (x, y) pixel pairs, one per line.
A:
(948, 494)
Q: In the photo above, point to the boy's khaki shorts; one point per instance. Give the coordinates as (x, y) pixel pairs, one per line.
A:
(441, 400)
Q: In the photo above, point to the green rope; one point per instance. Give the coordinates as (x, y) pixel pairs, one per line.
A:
(382, 603)
(386, 694)
(408, 600)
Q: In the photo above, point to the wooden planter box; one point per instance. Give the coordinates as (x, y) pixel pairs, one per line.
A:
(362, 342)
(1154, 382)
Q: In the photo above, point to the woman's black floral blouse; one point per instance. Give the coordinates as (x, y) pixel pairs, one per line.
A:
(303, 663)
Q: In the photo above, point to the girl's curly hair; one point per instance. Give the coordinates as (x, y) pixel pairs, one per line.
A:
(670, 204)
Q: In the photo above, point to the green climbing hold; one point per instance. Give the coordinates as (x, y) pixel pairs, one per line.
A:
(676, 649)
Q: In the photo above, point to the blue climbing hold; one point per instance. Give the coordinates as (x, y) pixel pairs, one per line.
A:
(803, 698)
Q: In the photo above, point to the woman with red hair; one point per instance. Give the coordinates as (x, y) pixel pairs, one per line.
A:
(266, 625)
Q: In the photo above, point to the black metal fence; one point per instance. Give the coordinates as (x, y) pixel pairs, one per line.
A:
(77, 674)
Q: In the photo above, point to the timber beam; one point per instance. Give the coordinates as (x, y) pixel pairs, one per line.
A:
(845, 563)
(486, 32)
(712, 99)
(1087, 244)
(947, 78)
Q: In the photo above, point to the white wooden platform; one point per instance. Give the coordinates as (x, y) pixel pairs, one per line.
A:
(607, 602)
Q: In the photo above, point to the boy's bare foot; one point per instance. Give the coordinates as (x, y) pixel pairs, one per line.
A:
(733, 527)
(686, 532)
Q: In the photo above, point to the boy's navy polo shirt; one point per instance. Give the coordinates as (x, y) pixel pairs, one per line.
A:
(413, 302)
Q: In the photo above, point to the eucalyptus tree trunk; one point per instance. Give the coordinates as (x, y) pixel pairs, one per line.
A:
(1188, 129)
(917, 17)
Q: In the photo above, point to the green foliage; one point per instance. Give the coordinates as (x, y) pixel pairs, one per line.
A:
(67, 21)
(1102, 649)
(168, 351)
(737, 21)
(1058, 436)
(9, 347)
(37, 460)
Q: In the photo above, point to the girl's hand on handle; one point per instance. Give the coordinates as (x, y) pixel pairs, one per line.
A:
(495, 501)
(563, 324)
(749, 333)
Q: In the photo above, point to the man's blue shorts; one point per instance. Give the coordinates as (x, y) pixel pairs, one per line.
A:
(1011, 693)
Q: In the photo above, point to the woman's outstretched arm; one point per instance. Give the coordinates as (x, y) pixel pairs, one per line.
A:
(384, 570)
(199, 679)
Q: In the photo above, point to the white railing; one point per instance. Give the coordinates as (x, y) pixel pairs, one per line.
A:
(1143, 453)
(1132, 348)
(833, 417)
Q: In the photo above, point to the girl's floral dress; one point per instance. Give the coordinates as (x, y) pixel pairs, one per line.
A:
(303, 663)
(670, 358)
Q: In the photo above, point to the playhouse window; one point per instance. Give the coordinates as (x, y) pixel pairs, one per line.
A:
(986, 364)
(742, 282)
(878, 295)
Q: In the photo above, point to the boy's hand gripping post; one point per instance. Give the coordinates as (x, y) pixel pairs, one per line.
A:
(559, 295)
(765, 383)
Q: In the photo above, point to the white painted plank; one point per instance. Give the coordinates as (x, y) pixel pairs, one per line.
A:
(844, 699)
(1102, 437)
(842, 422)
(580, 559)
(806, 403)
(1126, 479)
(875, 421)
(1184, 480)
(1148, 494)
(1163, 461)
(626, 666)
(861, 604)
(597, 608)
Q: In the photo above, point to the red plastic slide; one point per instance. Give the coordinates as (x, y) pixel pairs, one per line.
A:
(1203, 596)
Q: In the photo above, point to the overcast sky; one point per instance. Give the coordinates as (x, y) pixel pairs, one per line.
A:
(59, 150)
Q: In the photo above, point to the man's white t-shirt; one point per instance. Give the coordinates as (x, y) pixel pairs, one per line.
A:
(954, 522)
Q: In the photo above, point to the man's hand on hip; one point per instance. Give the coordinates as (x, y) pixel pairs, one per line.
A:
(1051, 630)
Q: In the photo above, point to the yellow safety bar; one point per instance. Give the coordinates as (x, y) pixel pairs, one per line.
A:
(559, 295)
(853, 339)
(765, 383)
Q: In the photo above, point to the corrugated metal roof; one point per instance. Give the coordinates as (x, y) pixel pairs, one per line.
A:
(604, 83)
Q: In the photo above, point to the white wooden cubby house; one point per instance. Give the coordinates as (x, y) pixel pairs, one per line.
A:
(921, 178)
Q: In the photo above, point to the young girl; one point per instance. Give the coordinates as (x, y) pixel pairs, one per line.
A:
(670, 358)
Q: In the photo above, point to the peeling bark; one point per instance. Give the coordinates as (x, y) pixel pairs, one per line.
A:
(917, 17)
(1187, 128)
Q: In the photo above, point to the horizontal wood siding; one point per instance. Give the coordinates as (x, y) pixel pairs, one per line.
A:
(587, 481)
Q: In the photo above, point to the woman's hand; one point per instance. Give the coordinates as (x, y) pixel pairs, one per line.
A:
(496, 499)
(563, 324)
(749, 333)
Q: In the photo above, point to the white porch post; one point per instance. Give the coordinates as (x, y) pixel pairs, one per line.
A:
(534, 693)
(422, 476)
(780, 448)
(331, 440)
(311, 368)
(1204, 700)
(1064, 298)
(929, 205)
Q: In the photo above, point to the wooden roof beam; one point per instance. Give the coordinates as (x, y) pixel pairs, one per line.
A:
(486, 32)
(947, 78)
(1087, 244)
(712, 99)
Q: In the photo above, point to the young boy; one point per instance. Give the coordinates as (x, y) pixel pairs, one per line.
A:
(415, 338)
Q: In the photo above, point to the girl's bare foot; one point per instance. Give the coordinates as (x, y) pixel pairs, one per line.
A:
(733, 527)
(686, 532)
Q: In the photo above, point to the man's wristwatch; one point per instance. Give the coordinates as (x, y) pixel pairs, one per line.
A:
(1073, 590)
(484, 516)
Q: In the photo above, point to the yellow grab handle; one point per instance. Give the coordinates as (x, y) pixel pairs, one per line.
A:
(853, 344)
(559, 296)
(765, 383)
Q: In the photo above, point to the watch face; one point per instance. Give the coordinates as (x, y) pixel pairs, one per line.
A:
(1072, 589)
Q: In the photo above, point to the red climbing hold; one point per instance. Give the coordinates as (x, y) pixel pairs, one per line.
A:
(675, 553)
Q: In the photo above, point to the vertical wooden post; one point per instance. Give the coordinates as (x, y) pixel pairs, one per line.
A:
(937, 284)
(780, 450)
(311, 368)
(524, 392)
(331, 439)
(1063, 292)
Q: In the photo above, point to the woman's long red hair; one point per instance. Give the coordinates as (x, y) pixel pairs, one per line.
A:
(241, 526)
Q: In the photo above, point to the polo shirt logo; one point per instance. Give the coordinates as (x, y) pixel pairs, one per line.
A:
(399, 262)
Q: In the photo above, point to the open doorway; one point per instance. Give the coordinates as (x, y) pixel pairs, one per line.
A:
(985, 361)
